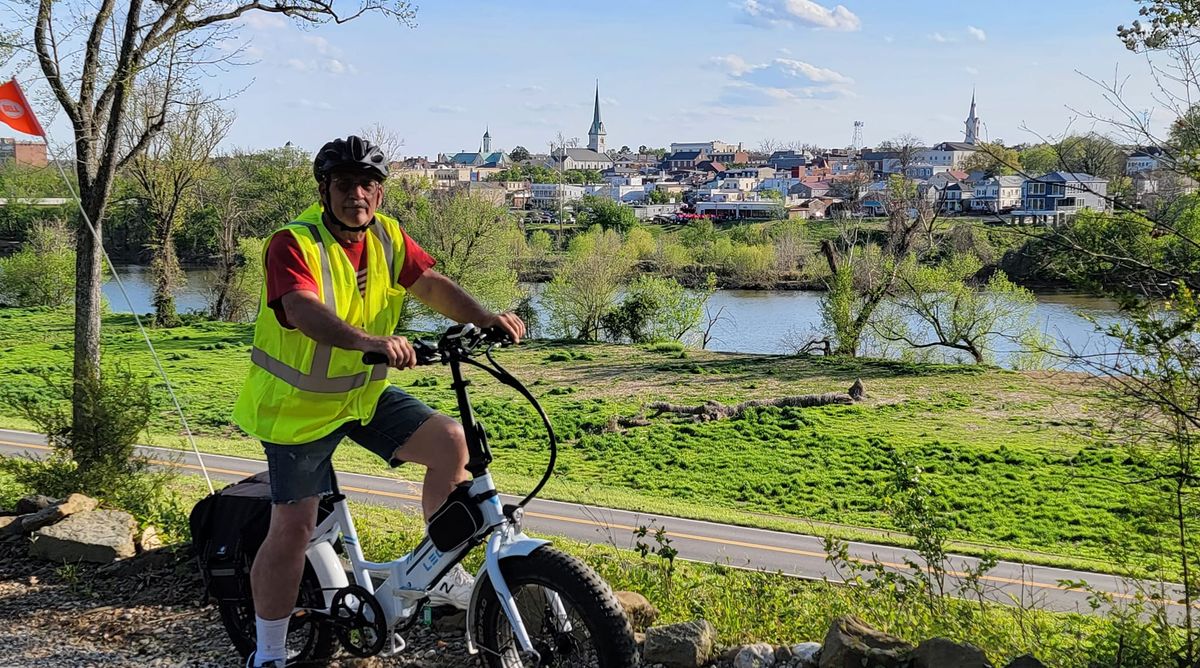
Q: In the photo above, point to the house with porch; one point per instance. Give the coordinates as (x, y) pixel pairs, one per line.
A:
(1052, 198)
(997, 194)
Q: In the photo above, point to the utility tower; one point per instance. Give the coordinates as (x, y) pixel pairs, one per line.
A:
(858, 135)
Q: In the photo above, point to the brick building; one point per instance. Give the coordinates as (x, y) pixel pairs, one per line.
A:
(31, 153)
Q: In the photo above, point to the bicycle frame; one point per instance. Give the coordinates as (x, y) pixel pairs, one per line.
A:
(406, 581)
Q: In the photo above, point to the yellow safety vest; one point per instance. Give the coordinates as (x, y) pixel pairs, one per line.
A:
(299, 390)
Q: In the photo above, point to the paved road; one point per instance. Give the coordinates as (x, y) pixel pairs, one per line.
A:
(793, 554)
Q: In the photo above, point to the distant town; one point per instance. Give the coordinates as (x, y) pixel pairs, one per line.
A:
(725, 180)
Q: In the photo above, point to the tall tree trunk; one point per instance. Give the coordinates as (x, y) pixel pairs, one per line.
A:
(88, 273)
(165, 269)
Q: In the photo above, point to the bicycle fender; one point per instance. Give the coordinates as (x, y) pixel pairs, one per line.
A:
(328, 567)
(520, 546)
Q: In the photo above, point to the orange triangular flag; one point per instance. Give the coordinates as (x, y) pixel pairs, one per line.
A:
(16, 112)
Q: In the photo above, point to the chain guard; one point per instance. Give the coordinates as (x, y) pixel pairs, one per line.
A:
(358, 621)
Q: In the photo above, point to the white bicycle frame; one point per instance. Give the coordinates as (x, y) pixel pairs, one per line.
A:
(408, 579)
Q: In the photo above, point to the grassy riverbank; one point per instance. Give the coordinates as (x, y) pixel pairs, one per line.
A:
(1003, 447)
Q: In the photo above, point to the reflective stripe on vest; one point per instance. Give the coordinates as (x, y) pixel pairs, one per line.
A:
(320, 380)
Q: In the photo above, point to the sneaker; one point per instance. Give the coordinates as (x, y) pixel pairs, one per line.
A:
(274, 663)
(453, 589)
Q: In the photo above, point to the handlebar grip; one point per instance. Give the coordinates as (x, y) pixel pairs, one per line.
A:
(374, 358)
(498, 335)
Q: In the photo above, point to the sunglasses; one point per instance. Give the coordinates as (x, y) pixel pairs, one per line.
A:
(347, 184)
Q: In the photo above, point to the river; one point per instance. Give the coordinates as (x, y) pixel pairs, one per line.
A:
(753, 321)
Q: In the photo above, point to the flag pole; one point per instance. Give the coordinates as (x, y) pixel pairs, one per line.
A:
(121, 286)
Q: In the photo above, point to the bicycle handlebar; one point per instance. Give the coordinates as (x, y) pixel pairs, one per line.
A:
(463, 339)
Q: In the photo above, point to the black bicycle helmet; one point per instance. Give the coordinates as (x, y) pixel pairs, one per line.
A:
(353, 153)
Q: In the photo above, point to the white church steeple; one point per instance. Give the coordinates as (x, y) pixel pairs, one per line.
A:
(971, 136)
(596, 133)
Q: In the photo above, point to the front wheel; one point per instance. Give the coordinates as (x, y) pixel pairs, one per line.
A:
(596, 633)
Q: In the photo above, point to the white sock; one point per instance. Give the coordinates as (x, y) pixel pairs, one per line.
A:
(272, 639)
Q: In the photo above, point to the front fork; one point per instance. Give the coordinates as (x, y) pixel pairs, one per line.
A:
(506, 543)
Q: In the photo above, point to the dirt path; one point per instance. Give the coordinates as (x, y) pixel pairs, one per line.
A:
(144, 614)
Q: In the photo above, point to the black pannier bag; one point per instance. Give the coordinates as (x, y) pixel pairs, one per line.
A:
(457, 521)
(228, 527)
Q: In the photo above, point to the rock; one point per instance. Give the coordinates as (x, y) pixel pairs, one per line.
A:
(783, 654)
(857, 391)
(686, 645)
(758, 655)
(10, 524)
(640, 611)
(850, 643)
(76, 503)
(1025, 661)
(806, 654)
(145, 561)
(100, 536)
(33, 503)
(453, 623)
(945, 653)
(149, 539)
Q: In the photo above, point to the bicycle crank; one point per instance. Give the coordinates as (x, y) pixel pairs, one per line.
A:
(358, 621)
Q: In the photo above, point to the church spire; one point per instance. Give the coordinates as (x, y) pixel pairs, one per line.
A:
(487, 141)
(971, 135)
(596, 132)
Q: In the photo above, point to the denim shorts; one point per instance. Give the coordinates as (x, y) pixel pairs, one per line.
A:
(303, 470)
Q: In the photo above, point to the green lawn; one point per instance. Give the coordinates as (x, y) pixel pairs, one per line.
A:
(1005, 448)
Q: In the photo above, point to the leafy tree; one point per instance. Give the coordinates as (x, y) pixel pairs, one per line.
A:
(657, 309)
(658, 196)
(956, 311)
(994, 160)
(1184, 135)
(587, 283)
(532, 173)
(519, 154)
(42, 273)
(473, 242)
(1039, 159)
(168, 171)
(582, 176)
(22, 182)
(606, 213)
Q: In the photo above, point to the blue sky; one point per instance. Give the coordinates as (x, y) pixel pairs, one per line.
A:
(682, 70)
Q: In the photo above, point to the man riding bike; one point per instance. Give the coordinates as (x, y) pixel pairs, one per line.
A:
(336, 278)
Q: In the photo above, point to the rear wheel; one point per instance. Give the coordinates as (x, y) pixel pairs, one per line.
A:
(310, 636)
(593, 632)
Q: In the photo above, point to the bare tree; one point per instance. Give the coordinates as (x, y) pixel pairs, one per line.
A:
(168, 171)
(94, 56)
(385, 138)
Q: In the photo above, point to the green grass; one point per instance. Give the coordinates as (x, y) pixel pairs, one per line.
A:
(1004, 448)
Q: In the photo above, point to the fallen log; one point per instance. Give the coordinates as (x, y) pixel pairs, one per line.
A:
(712, 410)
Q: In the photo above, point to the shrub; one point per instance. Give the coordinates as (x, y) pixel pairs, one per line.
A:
(95, 456)
(657, 309)
(751, 264)
(640, 243)
(42, 273)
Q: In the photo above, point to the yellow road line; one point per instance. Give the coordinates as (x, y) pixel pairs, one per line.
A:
(622, 527)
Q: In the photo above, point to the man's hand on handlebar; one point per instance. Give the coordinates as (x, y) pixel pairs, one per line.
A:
(509, 322)
(398, 351)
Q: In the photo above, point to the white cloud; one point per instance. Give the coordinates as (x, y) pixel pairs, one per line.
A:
(940, 38)
(776, 81)
(335, 66)
(319, 43)
(971, 70)
(610, 102)
(799, 12)
(263, 21)
(977, 33)
(298, 65)
(305, 103)
(447, 109)
(888, 39)
(971, 33)
(732, 64)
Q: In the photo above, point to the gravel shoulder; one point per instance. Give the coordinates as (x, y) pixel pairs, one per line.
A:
(145, 612)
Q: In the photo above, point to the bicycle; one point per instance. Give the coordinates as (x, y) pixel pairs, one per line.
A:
(532, 605)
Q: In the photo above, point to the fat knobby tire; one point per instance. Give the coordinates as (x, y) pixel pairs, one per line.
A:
(582, 590)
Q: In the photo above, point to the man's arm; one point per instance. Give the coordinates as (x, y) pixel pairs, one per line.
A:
(448, 298)
(306, 312)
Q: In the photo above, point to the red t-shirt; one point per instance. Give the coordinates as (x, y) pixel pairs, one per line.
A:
(287, 271)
